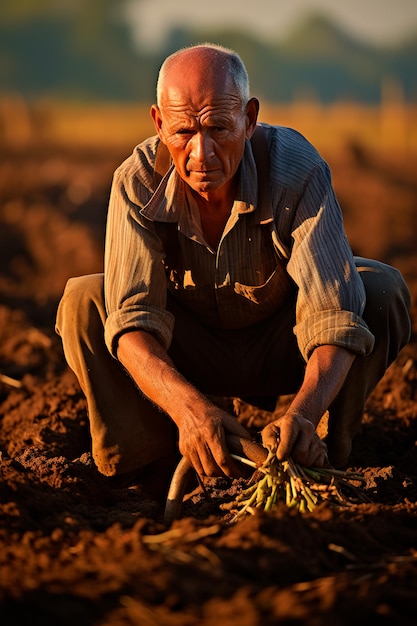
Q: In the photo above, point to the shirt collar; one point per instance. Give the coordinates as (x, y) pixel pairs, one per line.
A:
(171, 195)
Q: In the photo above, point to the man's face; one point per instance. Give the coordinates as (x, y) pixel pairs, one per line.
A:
(204, 125)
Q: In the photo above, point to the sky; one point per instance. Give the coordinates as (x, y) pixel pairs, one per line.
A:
(376, 21)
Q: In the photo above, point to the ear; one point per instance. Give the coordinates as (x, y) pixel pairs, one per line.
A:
(157, 121)
(252, 110)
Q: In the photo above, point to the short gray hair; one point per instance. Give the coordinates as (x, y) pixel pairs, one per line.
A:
(233, 64)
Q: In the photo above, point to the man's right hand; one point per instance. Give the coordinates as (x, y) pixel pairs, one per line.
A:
(202, 439)
(201, 424)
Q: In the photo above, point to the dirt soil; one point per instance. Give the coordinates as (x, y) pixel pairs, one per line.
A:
(74, 551)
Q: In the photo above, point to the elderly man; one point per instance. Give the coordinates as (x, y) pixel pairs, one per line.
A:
(227, 273)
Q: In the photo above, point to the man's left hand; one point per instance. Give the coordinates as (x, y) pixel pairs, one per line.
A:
(292, 435)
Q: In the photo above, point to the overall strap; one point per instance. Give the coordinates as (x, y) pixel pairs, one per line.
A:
(261, 156)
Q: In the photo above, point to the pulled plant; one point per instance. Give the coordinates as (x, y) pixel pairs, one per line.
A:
(293, 485)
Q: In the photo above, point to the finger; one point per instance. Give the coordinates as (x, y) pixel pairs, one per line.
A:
(270, 436)
(196, 463)
(288, 436)
(214, 462)
(224, 461)
(201, 458)
(209, 462)
(231, 469)
(326, 462)
(321, 460)
(313, 454)
(318, 453)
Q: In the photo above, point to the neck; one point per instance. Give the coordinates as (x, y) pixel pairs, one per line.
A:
(215, 207)
(214, 214)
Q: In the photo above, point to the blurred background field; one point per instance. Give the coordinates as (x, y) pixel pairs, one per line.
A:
(77, 80)
(390, 126)
(76, 73)
(83, 74)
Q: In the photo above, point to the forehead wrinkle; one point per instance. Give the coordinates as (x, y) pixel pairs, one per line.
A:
(223, 105)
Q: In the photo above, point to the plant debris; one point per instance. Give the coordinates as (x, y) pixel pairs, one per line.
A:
(294, 485)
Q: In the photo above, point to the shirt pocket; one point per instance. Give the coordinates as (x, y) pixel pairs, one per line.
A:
(269, 295)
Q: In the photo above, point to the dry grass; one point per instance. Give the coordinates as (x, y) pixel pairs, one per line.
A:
(392, 127)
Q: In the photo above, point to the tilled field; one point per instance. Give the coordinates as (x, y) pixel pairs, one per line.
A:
(74, 551)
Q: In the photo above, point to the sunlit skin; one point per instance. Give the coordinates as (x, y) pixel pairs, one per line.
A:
(205, 125)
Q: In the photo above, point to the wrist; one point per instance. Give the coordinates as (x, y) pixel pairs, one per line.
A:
(310, 416)
(190, 407)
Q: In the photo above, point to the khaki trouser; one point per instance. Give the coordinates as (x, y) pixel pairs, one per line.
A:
(260, 363)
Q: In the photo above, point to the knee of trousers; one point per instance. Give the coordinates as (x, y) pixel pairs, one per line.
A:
(388, 302)
(82, 300)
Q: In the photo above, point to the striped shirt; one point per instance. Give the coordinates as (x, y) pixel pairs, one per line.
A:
(291, 245)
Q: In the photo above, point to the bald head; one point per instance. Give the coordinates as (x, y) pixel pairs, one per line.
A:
(204, 116)
(205, 62)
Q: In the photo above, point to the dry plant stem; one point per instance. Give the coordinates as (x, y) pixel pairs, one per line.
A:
(286, 482)
(10, 381)
(243, 460)
(294, 485)
(245, 448)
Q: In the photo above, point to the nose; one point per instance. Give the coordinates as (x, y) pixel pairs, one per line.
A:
(201, 148)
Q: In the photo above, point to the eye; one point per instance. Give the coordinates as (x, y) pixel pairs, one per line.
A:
(184, 131)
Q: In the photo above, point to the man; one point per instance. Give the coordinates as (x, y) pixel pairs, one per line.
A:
(227, 273)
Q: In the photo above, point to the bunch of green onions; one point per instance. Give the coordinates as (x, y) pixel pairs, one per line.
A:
(294, 485)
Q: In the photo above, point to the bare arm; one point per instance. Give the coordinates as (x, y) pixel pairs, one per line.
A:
(325, 374)
(200, 423)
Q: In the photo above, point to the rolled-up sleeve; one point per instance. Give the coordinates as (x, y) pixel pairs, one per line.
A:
(331, 296)
(134, 276)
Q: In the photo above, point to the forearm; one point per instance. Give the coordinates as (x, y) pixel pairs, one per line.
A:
(200, 423)
(294, 434)
(325, 374)
(156, 376)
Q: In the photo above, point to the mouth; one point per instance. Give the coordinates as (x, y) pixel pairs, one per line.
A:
(201, 169)
(204, 173)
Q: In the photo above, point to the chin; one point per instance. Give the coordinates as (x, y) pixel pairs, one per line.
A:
(207, 186)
